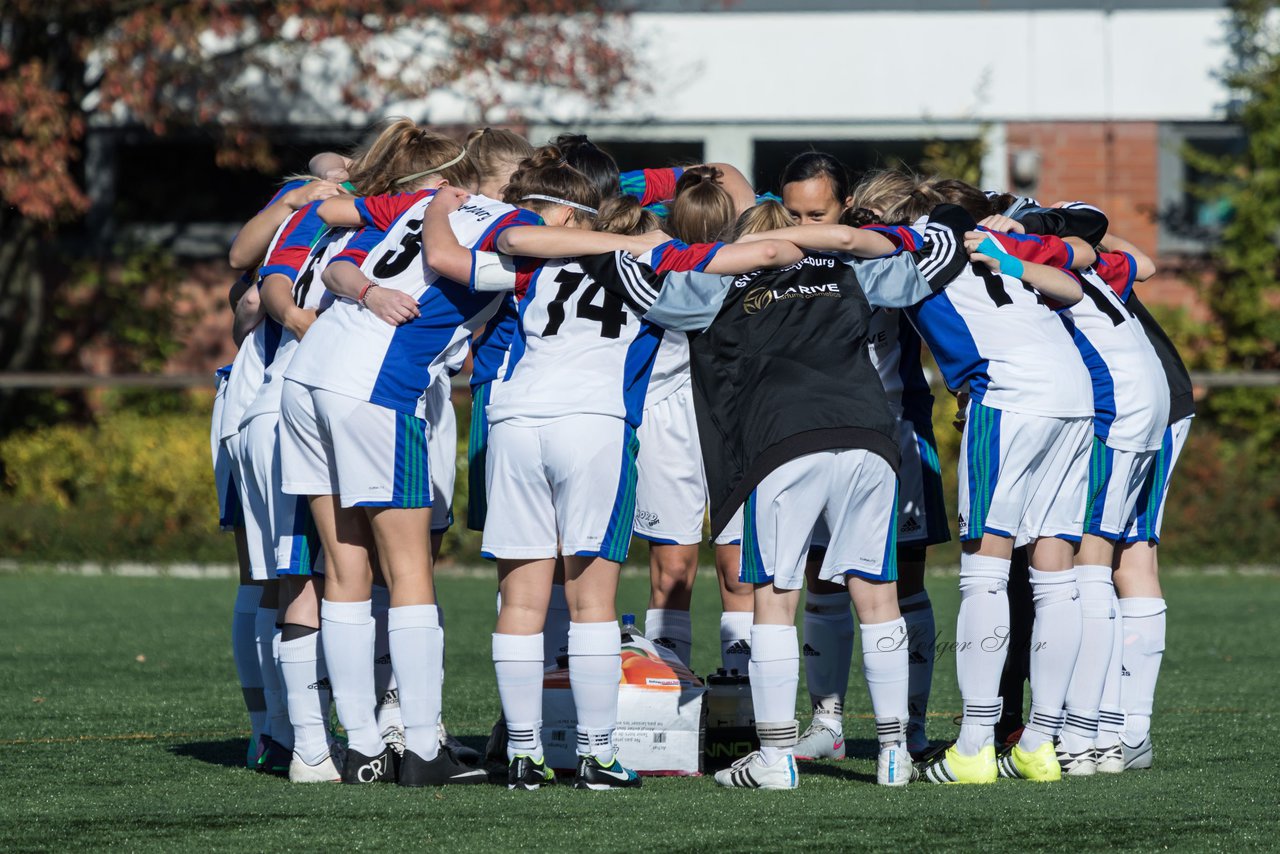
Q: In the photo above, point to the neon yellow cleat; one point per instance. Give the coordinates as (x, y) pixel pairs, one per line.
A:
(952, 766)
(1040, 765)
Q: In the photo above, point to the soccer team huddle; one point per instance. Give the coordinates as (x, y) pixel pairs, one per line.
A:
(652, 348)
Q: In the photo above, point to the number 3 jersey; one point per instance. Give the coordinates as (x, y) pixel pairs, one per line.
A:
(579, 349)
(350, 350)
(995, 335)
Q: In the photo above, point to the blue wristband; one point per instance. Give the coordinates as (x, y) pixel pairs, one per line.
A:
(1009, 265)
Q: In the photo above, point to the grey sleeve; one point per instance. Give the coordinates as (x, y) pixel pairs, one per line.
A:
(894, 282)
(688, 302)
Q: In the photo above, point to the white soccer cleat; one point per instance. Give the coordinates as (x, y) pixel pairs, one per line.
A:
(820, 742)
(894, 766)
(1138, 758)
(1080, 764)
(1109, 760)
(327, 770)
(751, 772)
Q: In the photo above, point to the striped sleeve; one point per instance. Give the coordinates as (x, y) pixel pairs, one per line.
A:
(294, 241)
(488, 241)
(676, 257)
(651, 186)
(380, 211)
(360, 245)
(1119, 270)
(1038, 249)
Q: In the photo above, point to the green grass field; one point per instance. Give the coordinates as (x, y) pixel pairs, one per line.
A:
(123, 728)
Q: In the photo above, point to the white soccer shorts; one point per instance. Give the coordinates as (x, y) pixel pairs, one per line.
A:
(293, 539)
(366, 454)
(1023, 476)
(1116, 479)
(1155, 491)
(230, 514)
(442, 451)
(732, 533)
(254, 510)
(853, 490)
(671, 493)
(565, 486)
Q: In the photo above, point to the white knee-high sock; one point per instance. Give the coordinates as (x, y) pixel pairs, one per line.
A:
(518, 662)
(1144, 633)
(281, 728)
(265, 633)
(775, 677)
(244, 649)
(885, 666)
(735, 640)
(346, 631)
(670, 628)
(828, 651)
(555, 631)
(1110, 712)
(984, 612)
(384, 677)
(917, 611)
(417, 657)
(595, 669)
(1055, 646)
(1098, 623)
(306, 683)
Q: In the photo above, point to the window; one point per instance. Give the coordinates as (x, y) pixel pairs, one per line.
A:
(1191, 216)
(859, 155)
(632, 154)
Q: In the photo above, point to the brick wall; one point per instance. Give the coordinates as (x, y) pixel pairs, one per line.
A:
(1116, 167)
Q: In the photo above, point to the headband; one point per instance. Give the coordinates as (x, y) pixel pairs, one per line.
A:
(443, 166)
(565, 202)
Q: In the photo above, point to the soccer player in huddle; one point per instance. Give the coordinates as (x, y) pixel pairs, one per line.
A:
(372, 304)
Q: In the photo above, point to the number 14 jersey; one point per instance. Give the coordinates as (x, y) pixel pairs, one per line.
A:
(579, 349)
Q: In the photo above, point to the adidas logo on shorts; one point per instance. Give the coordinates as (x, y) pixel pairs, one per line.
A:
(910, 526)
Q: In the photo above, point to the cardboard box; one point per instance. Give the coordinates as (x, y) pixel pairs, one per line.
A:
(660, 714)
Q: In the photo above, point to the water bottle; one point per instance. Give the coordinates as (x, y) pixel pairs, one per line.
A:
(629, 629)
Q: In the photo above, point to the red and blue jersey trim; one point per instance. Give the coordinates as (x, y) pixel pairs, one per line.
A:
(677, 257)
(381, 211)
(1119, 270)
(1037, 248)
(651, 186)
(299, 234)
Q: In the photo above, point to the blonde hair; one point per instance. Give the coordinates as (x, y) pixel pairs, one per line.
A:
(403, 149)
(919, 202)
(766, 216)
(878, 191)
(496, 152)
(702, 210)
(625, 215)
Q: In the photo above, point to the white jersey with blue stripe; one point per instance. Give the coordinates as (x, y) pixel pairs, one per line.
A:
(350, 350)
(308, 293)
(579, 349)
(996, 336)
(1130, 392)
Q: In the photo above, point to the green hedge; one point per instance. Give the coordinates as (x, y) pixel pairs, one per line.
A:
(140, 488)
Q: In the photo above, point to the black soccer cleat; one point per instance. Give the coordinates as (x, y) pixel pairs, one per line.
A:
(445, 770)
(370, 769)
(274, 758)
(597, 777)
(529, 774)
